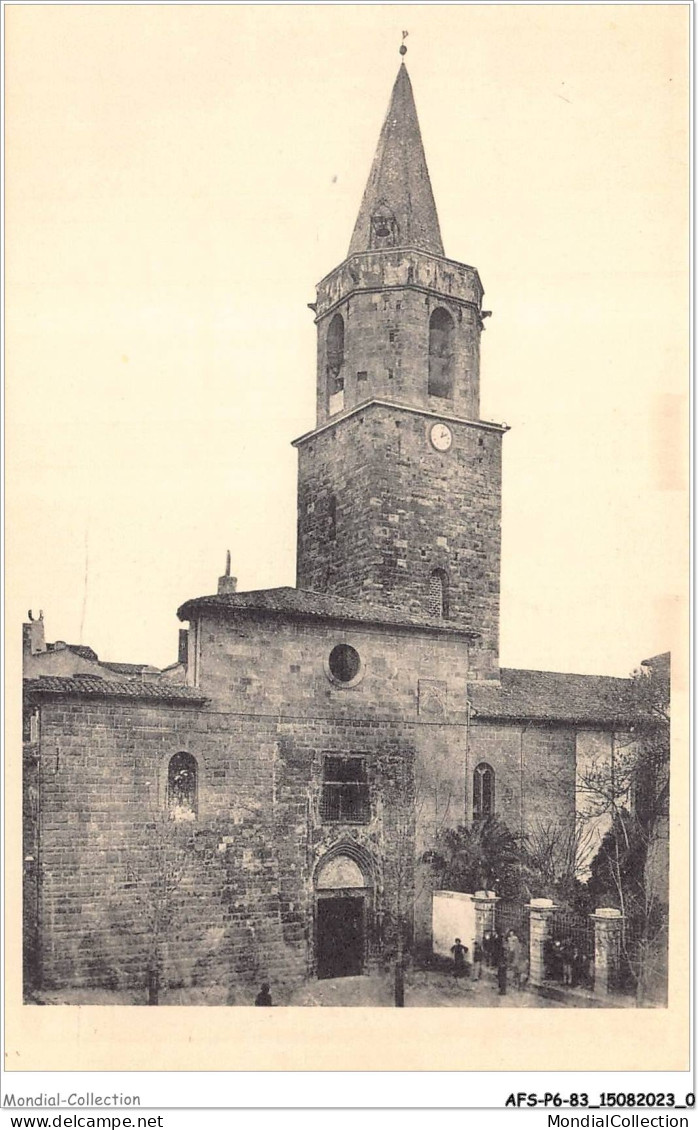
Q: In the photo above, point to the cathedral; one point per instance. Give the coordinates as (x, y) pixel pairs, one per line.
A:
(263, 809)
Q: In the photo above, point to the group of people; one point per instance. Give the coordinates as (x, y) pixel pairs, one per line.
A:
(565, 961)
(505, 954)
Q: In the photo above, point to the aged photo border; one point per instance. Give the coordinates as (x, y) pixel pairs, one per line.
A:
(103, 1039)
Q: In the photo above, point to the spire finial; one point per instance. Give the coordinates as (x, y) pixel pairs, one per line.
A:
(403, 49)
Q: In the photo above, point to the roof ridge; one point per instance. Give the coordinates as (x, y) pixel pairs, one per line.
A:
(308, 603)
(564, 674)
(112, 688)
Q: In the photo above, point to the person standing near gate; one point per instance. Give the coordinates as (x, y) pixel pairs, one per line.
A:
(514, 957)
(477, 961)
(499, 959)
(487, 948)
(459, 952)
(569, 956)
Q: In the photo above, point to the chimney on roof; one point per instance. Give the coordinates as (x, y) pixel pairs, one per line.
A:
(33, 638)
(226, 583)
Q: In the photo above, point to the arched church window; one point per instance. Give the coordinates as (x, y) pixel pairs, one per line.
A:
(384, 229)
(438, 593)
(483, 791)
(182, 787)
(335, 365)
(441, 353)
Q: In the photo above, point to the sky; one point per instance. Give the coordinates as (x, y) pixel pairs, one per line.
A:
(180, 177)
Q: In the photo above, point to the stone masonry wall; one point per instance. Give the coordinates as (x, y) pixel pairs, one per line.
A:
(31, 941)
(413, 692)
(534, 787)
(386, 299)
(250, 663)
(402, 509)
(106, 848)
(386, 346)
(241, 909)
(534, 772)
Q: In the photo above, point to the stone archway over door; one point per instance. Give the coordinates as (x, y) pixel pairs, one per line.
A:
(340, 919)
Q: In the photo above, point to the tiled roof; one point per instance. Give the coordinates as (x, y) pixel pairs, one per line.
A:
(89, 653)
(129, 668)
(83, 651)
(92, 686)
(553, 696)
(301, 603)
(78, 648)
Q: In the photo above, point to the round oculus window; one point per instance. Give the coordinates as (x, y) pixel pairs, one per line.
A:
(344, 663)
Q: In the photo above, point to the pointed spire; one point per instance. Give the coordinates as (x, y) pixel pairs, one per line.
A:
(398, 208)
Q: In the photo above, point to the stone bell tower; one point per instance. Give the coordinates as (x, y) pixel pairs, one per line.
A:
(399, 487)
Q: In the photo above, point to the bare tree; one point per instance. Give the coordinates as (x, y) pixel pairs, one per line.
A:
(155, 876)
(631, 788)
(402, 835)
(555, 854)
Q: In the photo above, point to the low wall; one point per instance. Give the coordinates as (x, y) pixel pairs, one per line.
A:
(453, 916)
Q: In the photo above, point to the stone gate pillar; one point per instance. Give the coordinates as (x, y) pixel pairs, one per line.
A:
(541, 912)
(485, 903)
(608, 923)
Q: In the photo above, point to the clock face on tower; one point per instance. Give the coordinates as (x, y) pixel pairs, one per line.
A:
(441, 437)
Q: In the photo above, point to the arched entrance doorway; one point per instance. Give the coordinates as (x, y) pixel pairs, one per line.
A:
(341, 918)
